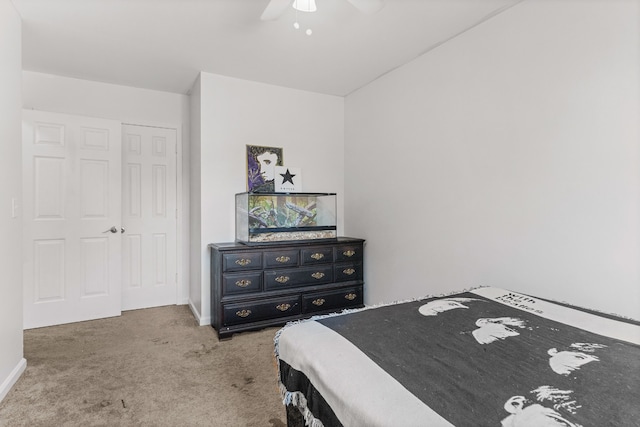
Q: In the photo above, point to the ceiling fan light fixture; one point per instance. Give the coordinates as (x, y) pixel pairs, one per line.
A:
(305, 5)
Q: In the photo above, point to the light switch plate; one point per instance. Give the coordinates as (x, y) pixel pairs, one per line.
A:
(14, 208)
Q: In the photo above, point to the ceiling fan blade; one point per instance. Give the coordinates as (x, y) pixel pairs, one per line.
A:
(274, 9)
(367, 6)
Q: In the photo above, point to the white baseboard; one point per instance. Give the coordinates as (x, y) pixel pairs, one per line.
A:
(202, 321)
(205, 321)
(6, 385)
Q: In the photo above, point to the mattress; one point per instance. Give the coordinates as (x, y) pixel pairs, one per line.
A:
(486, 357)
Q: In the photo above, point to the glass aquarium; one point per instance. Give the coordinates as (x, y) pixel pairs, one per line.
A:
(284, 217)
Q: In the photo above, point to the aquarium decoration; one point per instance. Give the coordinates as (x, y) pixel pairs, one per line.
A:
(279, 217)
(261, 163)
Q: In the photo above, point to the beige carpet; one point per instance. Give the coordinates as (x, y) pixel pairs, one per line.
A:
(152, 367)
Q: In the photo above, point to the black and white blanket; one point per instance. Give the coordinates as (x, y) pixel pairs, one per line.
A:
(486, 357)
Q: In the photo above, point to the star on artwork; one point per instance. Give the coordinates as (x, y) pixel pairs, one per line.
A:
(287, 177)
(286, 184)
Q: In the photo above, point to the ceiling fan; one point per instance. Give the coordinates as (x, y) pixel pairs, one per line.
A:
(276, 8)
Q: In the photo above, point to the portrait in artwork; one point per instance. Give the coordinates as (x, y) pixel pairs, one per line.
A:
(261, 163)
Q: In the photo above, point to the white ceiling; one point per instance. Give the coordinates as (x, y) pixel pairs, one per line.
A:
(163, 44)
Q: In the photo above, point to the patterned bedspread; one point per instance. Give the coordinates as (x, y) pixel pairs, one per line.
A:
(487, 357)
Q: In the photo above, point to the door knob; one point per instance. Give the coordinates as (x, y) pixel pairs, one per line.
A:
(112, 230)
(122, 230)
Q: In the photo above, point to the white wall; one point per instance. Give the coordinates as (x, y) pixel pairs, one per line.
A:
(129, 105)
(195, 250)
(308, 126)
(12, 363)
(508, 156)
(84, 97)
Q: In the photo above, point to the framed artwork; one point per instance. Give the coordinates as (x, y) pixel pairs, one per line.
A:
(261, 163)
(287, 180)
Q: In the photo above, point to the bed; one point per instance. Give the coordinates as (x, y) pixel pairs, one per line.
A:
(485, 357)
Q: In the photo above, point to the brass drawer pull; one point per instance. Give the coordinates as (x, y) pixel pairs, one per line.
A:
(283, 307)
(349, 253)
(317, 275)
(243, 313)
(318, 302)
(243, 261)
(350, 296)
(317, 256)
(282, 279)
(283, 259)
(243, 283)
(348, 271)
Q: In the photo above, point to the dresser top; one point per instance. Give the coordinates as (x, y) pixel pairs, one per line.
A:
(236, 245)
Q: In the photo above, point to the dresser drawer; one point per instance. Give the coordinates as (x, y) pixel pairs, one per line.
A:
(242, 261)
(347, 272)
(254, 311)
(281, 258)
(308, 276)
(334, 300)
(317, 255)
(241, 283)
(348, 253)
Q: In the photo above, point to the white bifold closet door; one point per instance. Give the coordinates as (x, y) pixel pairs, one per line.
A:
(71, 218)
(149, 215)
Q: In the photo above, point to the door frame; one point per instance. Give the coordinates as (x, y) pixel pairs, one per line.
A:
(181, 296)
